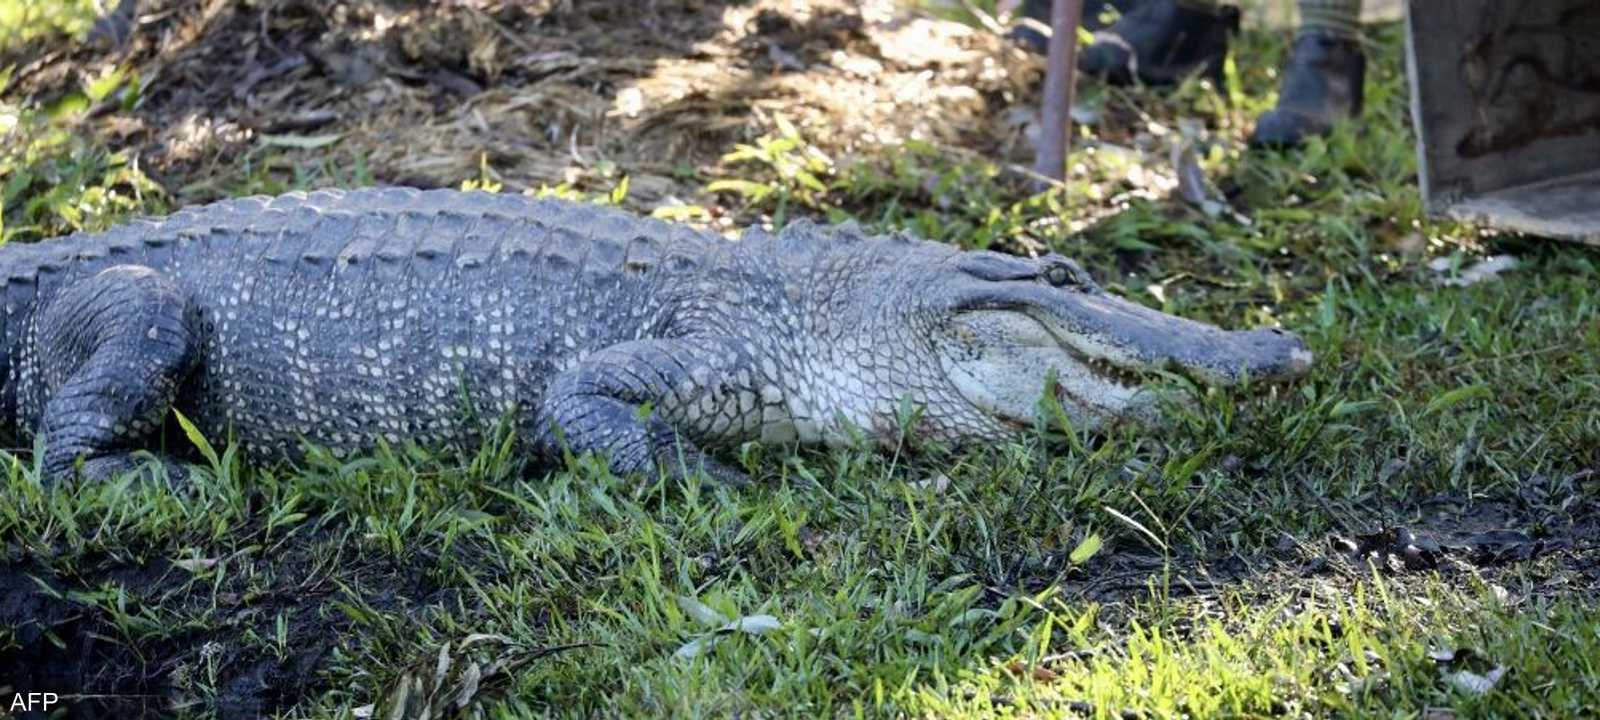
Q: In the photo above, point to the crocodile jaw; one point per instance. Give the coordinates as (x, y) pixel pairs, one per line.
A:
(1105, 356)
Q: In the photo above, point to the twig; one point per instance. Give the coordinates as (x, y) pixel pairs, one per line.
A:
(1056, 113)
(985, 19)
(264, 29)
(1011, 168)
(502, 30)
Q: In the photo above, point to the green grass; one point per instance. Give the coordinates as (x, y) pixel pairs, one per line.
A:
(53, 178)
(1183, 571)
(22, 21)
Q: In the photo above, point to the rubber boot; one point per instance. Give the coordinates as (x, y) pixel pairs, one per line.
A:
(1322, 84)
(1094, 12)
(1160, 43)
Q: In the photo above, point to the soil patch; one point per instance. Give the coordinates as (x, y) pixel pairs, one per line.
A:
(532, 94)
(136, 638)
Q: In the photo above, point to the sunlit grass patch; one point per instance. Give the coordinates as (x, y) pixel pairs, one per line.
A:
(1354, 649)
(23, 21)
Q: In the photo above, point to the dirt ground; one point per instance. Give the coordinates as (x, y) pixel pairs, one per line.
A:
(61, 646)
(538, 93)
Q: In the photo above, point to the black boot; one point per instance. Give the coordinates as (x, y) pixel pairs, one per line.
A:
(1160, 43)
(1093, 13)
(1322, 84)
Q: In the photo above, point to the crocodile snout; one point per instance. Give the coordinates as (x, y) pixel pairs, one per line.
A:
(1272, 354)
(1134, 337)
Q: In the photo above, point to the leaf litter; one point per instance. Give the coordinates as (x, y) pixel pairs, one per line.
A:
(537, 94)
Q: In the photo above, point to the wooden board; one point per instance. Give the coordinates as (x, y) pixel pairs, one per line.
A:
(1505, 98)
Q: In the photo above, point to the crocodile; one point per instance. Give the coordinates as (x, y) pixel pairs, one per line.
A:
(348, 319)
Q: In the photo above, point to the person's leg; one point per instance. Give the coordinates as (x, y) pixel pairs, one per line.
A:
(1339, 18)
(1162, 41)
(1323, 80)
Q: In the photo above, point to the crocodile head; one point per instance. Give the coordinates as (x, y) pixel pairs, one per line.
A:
(1008, 325)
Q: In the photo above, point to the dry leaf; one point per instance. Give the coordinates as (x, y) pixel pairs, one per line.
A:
(195, 565)
(1039, 673)
(1486, 270)
(1474, 683)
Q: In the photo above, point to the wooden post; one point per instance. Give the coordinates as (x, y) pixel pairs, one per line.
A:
(1055, 115)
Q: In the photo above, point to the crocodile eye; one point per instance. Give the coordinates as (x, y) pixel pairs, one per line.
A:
(1059, 276)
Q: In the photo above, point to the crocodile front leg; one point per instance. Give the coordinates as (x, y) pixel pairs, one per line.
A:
(643, 403)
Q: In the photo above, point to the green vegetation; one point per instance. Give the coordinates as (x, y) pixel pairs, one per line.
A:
(22, 21)
(1230, 564)
(53, 179)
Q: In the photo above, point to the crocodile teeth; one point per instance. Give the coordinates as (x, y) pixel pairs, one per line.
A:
(1108, 371)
